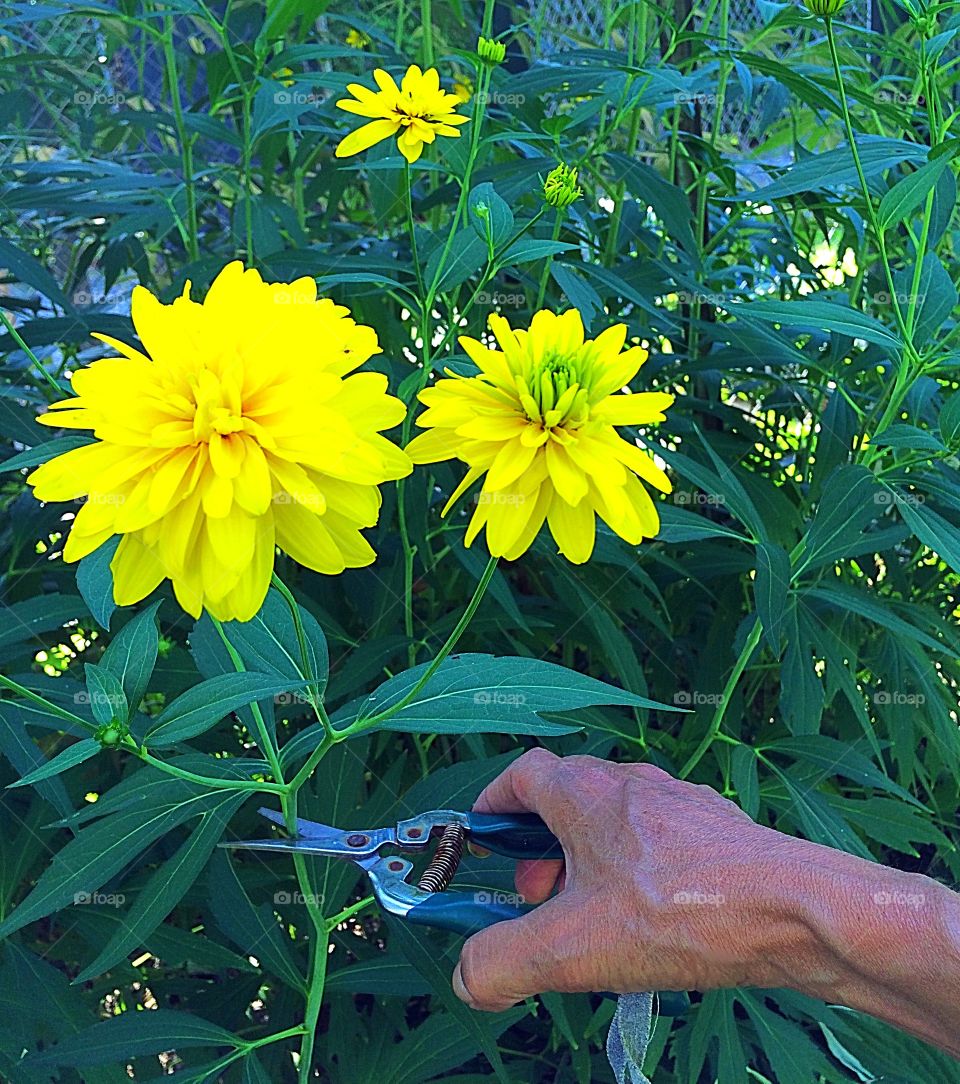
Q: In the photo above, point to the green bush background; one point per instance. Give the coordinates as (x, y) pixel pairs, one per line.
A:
(801, 598)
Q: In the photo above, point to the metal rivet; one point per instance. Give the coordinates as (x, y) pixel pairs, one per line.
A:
(357, 840)
(414, 833)
(396, 865)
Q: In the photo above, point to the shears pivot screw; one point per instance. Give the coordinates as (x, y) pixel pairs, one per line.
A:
(358, 839)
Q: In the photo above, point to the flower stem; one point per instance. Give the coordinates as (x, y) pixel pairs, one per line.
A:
(451, 642)
(313, 689)
(713, 732)
(34, 360)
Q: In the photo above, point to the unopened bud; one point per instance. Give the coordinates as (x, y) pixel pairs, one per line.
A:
(824, 8)
(560, 189)
(490, 51)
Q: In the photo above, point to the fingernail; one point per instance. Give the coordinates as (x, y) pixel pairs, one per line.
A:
(459, 988)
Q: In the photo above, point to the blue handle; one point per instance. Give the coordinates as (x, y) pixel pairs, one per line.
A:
(514, 835)
(463, 912)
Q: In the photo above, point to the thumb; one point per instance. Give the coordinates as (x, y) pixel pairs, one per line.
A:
(513, 960)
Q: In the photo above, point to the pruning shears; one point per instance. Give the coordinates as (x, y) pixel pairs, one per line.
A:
(513, 835)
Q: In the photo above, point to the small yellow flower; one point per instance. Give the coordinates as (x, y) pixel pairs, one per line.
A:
(236, 431)
(492, 52)
(539, 421)
(356, 39)
(462, 88)
(560, 189)
(416, 112)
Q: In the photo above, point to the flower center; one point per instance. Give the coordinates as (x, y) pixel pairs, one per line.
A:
(554, 396)
(218, 407)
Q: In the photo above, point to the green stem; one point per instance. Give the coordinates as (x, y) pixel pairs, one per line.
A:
(185, 140)
(545, 273)
(313, 689)
(753, 638)
(34, 360)
(203, 780)
(266, 742)
(375, 720)
(348, 912)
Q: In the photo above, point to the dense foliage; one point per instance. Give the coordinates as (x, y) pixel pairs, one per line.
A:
(800, 600)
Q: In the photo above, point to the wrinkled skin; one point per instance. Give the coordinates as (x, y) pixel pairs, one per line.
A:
(668, 886)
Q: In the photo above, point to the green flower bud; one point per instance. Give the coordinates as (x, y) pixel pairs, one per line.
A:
(111, 734)
(490, 51)
(824, 8)
(560, 189)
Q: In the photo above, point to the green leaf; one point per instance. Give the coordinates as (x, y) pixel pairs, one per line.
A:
(132, 654)
(933, 530)
(908, 193)
(268, 643)
(41, 453)
(135, 1032)
(201, 707)
(849, 501)
(254, 930)
(95, 581)
(74, 754)
(793, 1056)
(801, 691)
(746, 782)
(950, 421)
(23, 621)
(679, 525)
(107, 699)
(27, 269)
(835, 757)
(489, 215)
(812, 314)
(483, 694)
(850, 600)
(420, 950)
(527, 249)
(101, 850)
(771, 591)
(23, 754)
(166, 887)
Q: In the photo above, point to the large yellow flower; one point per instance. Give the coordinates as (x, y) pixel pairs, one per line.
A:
(236, 431)
(418, 110)
(539, 420)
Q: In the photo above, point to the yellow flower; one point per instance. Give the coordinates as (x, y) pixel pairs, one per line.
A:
(416, 112)
(236, 431)
(539, 420)
(462, 88)
(356, 39)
